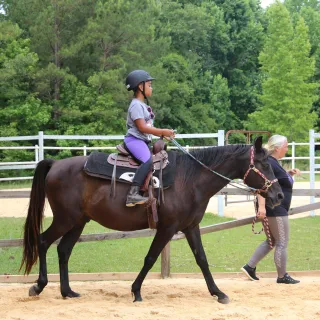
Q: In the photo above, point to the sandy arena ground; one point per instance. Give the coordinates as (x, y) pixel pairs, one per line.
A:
(185, 299)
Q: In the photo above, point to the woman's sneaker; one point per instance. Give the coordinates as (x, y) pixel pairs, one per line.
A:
(250, 272)
(287, 280)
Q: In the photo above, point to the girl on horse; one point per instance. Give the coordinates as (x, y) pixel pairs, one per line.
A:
(140, 127)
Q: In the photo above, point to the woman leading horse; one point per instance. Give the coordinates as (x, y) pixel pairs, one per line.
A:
(76, 198)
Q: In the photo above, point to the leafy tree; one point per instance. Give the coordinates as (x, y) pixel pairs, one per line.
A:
(21, 112)
(287, 69)
(245, 30)
(220, 102)
(310, 11)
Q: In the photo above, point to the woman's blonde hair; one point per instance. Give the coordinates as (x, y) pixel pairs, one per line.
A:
(276, 141)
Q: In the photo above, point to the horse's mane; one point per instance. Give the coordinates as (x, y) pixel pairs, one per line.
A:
(211, 157)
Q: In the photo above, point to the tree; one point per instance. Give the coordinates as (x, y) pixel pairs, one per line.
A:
(21, 112)
(51, 25)
(244, 19)
(310, 11)
(287, 69)
(220, 102)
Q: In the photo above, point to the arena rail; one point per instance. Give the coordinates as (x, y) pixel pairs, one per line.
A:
(165, 255)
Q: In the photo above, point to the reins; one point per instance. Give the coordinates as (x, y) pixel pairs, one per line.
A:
(235, 184)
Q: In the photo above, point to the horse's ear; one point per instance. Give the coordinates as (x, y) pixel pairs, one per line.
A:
(258, 144)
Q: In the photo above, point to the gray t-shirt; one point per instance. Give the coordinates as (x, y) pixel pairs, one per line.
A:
(138, 110)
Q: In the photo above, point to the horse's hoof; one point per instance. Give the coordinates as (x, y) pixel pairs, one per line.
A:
(71, 294)
(34, 291)
(224, 300)
(137, 297)
(137, 300)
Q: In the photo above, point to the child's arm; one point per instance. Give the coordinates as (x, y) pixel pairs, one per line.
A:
(142, 127)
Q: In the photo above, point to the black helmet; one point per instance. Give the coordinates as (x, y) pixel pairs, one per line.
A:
(135, 77)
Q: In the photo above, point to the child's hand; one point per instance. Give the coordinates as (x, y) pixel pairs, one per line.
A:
(168, 133)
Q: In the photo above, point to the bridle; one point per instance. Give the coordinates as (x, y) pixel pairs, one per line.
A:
(267, 182)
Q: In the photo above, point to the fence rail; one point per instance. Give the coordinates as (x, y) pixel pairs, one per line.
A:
(165, 255)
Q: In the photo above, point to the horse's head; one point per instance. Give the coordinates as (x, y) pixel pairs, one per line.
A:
(260, 175)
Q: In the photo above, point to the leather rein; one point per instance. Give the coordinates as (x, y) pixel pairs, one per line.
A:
(267, 182)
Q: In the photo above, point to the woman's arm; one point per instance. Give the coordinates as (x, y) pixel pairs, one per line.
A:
(261, 207)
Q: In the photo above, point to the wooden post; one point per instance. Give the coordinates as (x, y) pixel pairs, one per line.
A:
(165, 262)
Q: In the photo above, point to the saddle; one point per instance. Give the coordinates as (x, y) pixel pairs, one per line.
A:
(160, 160)
(124, 159)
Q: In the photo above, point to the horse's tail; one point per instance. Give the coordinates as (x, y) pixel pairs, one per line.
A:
(33, 222)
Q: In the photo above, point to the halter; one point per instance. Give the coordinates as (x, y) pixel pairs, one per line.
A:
(267, 182)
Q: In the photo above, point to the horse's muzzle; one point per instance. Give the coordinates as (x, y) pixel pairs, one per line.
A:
(273, 202)
(280, 196)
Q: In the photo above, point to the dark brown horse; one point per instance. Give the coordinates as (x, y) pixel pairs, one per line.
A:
(75, 198)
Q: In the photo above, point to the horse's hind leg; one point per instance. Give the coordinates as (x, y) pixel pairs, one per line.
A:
(160, 240)
(64, 251)
(53, 233)
(195, 243)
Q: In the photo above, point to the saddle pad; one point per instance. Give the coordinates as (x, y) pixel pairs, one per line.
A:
(98, 166)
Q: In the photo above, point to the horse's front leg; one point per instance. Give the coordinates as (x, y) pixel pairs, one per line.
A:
(194, 239)
(160, 240)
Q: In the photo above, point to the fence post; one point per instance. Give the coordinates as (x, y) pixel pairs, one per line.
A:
(84, 150)
(293, 164)
(220, 197)
(41, 151)
(312, 166)
(165, 261)
(36, 153)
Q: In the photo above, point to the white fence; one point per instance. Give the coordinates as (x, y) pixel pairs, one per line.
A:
(41, 138)
(42, 145)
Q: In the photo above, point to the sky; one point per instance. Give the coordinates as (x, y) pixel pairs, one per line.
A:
(265, 3)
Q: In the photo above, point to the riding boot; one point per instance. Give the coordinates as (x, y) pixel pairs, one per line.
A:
(134, 197)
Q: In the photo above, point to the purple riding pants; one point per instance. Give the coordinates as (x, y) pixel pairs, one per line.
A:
(138, 148)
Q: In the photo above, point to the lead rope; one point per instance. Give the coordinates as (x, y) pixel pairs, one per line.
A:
(265, 224)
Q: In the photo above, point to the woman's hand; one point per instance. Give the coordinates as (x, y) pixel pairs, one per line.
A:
(261, 214)
(294, 171)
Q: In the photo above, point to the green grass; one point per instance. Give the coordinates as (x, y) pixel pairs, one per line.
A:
(305, 177)
(15, 184)
(226, 250)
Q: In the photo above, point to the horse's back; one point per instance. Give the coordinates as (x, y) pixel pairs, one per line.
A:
(65, 169)
(65, 183)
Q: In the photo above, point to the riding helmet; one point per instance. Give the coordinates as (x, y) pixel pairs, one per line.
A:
(135, 77)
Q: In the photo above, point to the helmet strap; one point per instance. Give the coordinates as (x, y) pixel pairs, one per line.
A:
(142, 91)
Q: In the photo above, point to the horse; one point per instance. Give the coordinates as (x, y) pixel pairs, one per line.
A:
(76, 198)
